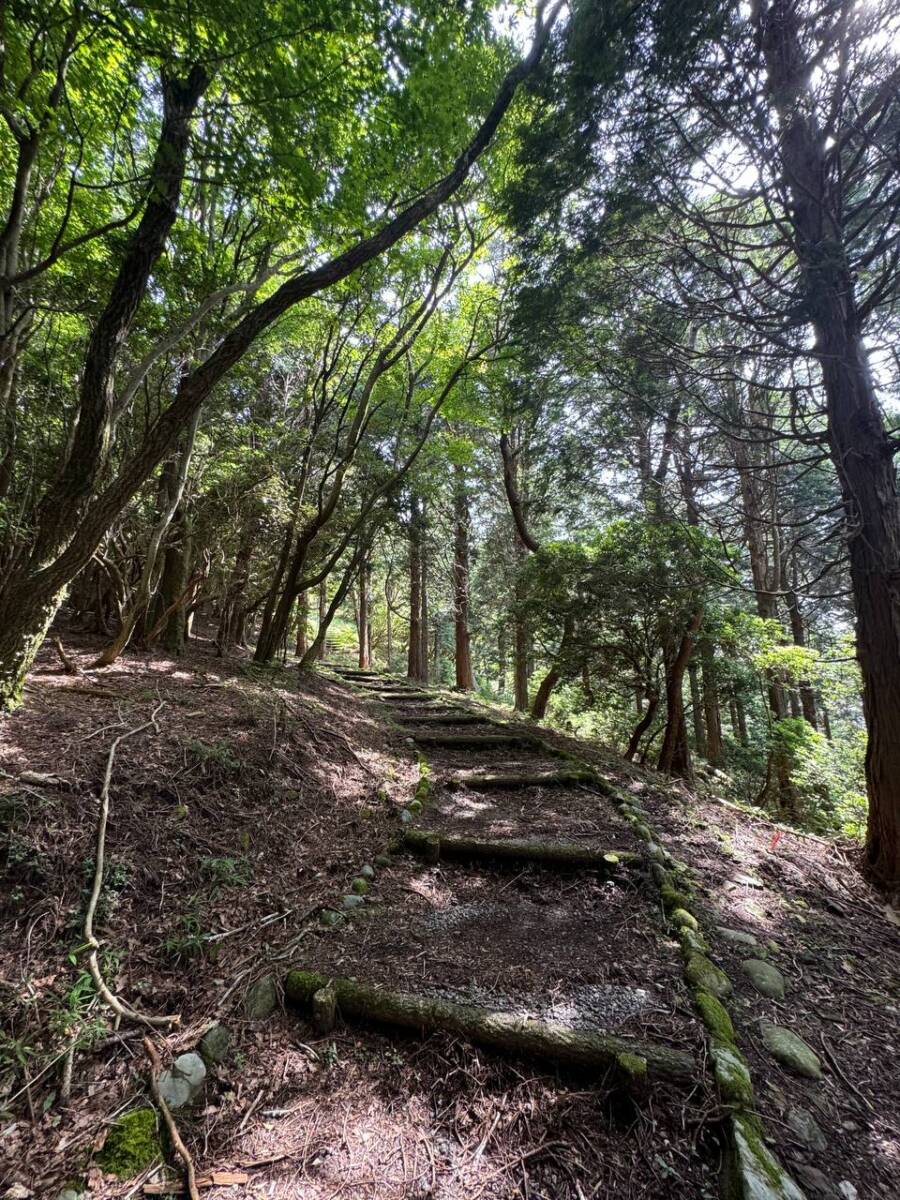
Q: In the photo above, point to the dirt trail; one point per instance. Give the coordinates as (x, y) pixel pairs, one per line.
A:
(556, 944)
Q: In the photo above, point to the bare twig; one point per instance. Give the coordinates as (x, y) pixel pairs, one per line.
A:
(190, 1176)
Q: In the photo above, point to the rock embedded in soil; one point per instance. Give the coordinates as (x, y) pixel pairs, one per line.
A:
(182, 1083)
(737, 937)
(352, 901)
(732, 1074)
(767, 979)
(706, 975)
(214, 1044)
(804, 1125)
(791, 1051)
(382, 860)
(329, 918)
(367, 872)
(359, 886)
(261, 999)
(753, 1171)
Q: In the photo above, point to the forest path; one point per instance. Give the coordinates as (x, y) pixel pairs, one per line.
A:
(577, 949)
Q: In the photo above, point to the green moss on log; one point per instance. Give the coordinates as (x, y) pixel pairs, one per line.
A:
(500, 1030)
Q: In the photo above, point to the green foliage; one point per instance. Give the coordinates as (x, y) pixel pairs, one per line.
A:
(229, 872)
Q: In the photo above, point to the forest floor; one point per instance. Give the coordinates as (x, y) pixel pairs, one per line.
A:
(247, 816)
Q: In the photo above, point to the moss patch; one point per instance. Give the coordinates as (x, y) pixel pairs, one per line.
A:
(715, 1016)
(131, 1145)
(732, 1074)
(706, 975)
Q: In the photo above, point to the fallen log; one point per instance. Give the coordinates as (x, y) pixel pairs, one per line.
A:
(444, 718)
(433, 847)
(547, 779)
(406, 697)
(629, 1058)
(476, 741)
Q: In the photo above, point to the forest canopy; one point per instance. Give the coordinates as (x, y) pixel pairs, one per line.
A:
(546, 353)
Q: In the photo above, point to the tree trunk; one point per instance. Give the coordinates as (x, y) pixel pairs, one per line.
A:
(423, 597)
(675, 755)
(173, 583)
(362, 624)
(462, 640)
(642, 726)
(302, 624)
(322, 613)
(501, 655)
(711, 710)
(414, 666)
(555, 674)
(861, 448)
(697, 714)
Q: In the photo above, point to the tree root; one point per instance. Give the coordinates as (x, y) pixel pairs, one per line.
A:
(119, 1007)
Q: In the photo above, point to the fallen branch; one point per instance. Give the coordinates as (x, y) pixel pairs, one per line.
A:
(190, 1175)
(555, 854)
(119, 1007)
(549, 1040)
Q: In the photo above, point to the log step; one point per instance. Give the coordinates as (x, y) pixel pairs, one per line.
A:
(546, 779)
(433, 847)
(476, 741)
(447, 718)
(548, 1040)
(405, 697)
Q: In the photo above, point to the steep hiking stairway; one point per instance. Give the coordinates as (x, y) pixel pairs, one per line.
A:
(520, 912)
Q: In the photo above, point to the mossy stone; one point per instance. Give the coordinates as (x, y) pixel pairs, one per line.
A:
(791, 1050)
(262, 999)
(731, 1073)
(692, 942)
(681, 918)
(359, 886)
(704, 974)
(643, 831)
(805, 1126)
(367, 872)
(660, 875)
(754, 1172)
(672, 898)
(132, 1144)
(382, 860)
(414, 806)
(214, 1044)
(715, 1016)
(329, 918)
(767, 980)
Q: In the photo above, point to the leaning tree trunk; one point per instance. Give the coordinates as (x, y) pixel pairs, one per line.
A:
(302, 624)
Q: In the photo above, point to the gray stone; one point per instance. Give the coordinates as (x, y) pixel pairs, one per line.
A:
(765, 978)
(791, 1051)
(806, 1128)
(732, 1074)
(406, 816)
(182, 1083)
(261, 999)
(816, 1183)
(737, 937)
(70, 1193)
(367, 871)
(214, 1044)
(655, 852)
(757, 1174)
(352, 901)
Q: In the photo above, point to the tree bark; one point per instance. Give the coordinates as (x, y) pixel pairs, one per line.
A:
(675, 755)
(462, 640)
(414, 667)
(302, 624)
(711, 710)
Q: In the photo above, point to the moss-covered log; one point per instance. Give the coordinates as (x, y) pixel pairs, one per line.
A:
(545, 779)
(547, 1040)
(405, 697)
(477, 741)
(433, 847)
(444, 718)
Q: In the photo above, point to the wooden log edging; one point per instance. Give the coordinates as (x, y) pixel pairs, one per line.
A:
(549, 779)
(631, 1058)
(433, 847)
(479, 741)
